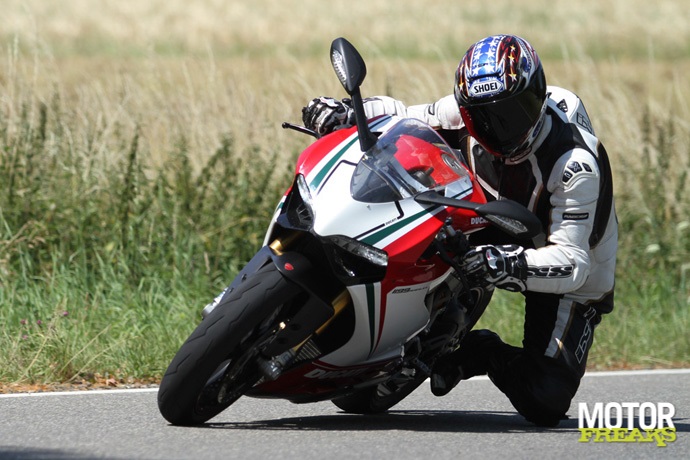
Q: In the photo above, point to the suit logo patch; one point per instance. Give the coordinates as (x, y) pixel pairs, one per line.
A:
(574, 166)
(563, 106)
(555, 271)
(575, 215)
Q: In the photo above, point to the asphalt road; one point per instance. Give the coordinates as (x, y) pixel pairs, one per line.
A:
(473, 421)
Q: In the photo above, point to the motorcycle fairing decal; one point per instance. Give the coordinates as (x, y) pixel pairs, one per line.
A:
(411, 316)
(322, 171)
(401, 214)
(330, 164)
(359, 348)
(377, 239)
(337, 213)
(406, 312)
(370, 342)
(324, 146)
(389, 230)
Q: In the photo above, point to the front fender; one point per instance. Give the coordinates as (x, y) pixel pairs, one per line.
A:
(310, 311)
(314, 307)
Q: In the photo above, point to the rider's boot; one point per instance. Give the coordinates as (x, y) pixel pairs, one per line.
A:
(470, 360)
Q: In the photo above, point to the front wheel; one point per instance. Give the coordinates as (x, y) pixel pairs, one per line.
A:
(217, 365)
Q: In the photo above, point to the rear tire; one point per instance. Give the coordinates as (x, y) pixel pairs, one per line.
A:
(216, 365)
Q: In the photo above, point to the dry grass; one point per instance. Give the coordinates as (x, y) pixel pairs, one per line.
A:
(210, 67)
(100, 26)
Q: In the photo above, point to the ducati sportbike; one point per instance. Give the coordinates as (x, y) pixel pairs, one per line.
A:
(357, 289)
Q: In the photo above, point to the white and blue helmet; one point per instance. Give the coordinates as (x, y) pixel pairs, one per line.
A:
(500, 88)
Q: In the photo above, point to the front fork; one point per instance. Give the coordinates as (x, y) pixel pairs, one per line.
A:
(317, 311)
(273, 367)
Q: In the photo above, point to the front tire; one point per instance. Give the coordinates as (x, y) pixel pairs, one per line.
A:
(217, 365)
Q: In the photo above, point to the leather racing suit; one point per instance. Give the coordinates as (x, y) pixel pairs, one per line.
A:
(565, 179)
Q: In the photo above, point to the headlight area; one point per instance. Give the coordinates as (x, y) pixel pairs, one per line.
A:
(351, 261)
(355, 262)
(298, 212)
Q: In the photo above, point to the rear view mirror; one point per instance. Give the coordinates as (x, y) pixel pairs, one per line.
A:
(508, 215)
(351, 70)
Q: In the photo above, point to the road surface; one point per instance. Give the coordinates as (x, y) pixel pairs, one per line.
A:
(474, 421)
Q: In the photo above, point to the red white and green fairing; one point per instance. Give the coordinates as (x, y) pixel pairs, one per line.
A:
(409, 158)
(357, 290)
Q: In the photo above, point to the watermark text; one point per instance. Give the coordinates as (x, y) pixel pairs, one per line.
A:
(627, 422)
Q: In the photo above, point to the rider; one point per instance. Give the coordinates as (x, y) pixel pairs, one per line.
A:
(533, 144)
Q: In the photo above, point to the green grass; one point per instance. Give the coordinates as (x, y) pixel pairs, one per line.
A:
(105, 268)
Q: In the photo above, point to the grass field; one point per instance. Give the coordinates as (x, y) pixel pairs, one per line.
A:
(141, 156)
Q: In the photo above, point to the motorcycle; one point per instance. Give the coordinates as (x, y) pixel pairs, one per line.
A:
(357, 290)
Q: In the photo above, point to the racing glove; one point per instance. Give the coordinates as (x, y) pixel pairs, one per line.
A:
(325, 114)
(503, 266)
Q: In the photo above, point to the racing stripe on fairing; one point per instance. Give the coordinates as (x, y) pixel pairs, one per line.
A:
(425, 213)
(330, 164)
(387, 231)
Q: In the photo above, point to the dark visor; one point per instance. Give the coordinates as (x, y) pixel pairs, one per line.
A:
(502, 126)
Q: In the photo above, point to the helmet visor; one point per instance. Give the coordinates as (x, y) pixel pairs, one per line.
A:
(503, 126)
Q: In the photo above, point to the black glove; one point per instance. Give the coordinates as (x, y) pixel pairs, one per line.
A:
(325, 114)
(503, 266)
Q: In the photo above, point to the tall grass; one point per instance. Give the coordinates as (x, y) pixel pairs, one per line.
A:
(107, 254)
(141, 157)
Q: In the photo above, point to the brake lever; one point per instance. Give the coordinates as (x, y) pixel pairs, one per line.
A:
(300, 129)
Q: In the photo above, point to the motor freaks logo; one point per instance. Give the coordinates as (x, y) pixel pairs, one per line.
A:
(627, 422)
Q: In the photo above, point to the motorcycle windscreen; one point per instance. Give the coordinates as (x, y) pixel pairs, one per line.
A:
(409, 159)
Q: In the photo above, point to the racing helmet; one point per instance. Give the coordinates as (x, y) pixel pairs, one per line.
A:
(500, 89)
